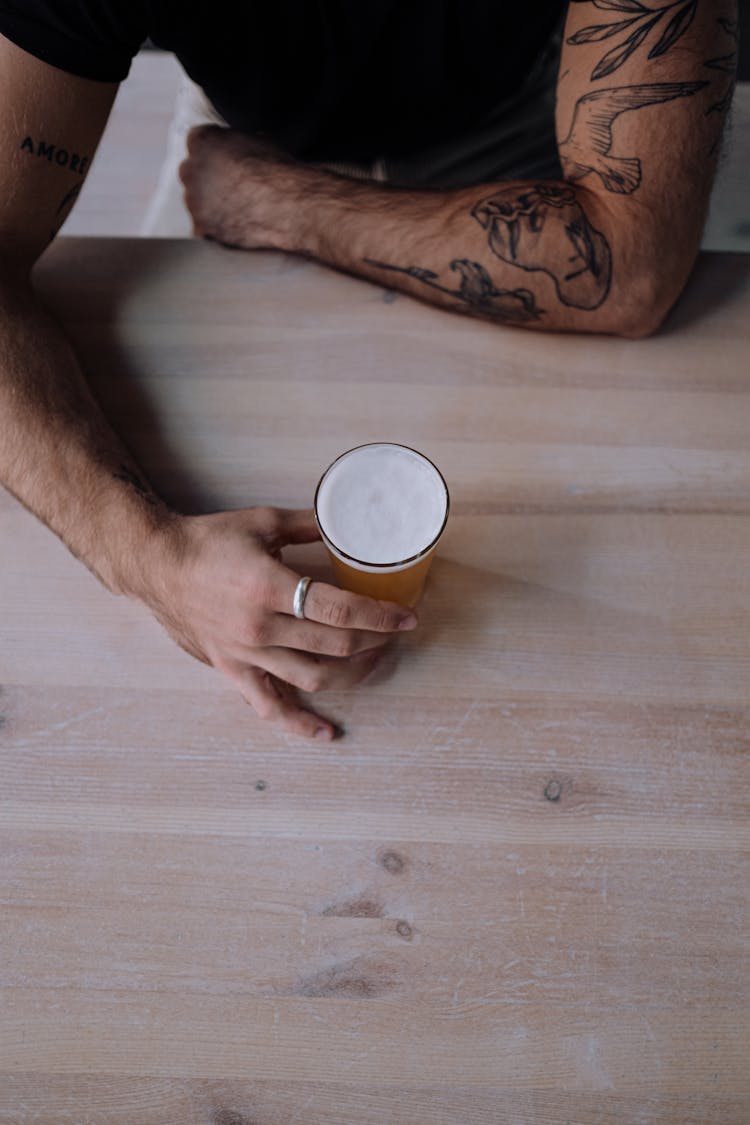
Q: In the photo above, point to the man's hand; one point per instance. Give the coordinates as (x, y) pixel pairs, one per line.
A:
(241, 191)
(216, 582)
(225, 596)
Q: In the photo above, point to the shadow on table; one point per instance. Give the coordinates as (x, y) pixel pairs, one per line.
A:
(128, 404)
(716, 280)
(64, 279)
(465, 604)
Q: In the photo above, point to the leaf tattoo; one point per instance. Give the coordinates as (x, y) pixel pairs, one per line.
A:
(67, 200)
(614, 59)
(619, 5)
(641, 21)
(730, 26)
(597, 32)
(727, 64)
(678, 24)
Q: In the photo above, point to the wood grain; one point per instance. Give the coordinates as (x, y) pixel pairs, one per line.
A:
(516, 891)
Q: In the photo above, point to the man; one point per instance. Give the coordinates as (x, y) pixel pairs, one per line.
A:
(439, 98)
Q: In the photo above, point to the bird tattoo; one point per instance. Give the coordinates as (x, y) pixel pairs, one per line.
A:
(476, 289)
(587, 146)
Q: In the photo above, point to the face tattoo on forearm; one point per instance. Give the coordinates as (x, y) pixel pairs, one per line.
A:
(545, 228)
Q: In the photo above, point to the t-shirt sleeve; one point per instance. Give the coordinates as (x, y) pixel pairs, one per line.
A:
(90, 38)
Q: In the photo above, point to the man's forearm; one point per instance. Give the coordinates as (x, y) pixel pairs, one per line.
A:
(59, 456)
(533, 255)
(539, 255)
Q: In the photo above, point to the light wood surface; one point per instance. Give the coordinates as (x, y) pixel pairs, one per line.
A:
(516, 891)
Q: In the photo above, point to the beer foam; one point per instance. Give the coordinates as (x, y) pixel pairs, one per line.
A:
(381, 504)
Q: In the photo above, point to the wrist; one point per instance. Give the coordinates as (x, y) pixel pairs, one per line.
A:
(293, 217)
(269, 203)
(147, 557)
(325, 204)
(303, 206)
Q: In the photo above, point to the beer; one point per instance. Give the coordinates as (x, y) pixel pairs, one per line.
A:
(381, 510)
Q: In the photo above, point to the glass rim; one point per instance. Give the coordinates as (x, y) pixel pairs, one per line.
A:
(401, 564)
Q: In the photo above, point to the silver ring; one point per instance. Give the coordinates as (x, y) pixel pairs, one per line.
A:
(300, 594)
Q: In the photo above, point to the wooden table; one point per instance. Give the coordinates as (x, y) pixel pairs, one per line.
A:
(516, 891)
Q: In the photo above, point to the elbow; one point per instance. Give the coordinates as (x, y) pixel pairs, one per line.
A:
(651, 289)
(647, 271)
(640, 324)
(647, 305)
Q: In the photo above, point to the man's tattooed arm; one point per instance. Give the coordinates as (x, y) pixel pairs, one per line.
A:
(634, 30)
(605, 249)
(528, 255)
(59, 455)
(633, 97)
(543, 229)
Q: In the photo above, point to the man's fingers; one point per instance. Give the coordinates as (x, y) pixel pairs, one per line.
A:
(274, 702)
(328, 605)
(322, 640)
(313, 674)
(342, 610)
(197, 134)
(296, 525)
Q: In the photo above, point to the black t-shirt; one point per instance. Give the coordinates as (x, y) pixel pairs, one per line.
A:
(325, 79)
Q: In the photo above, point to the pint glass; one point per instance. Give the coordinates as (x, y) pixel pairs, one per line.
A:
(381, 509)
